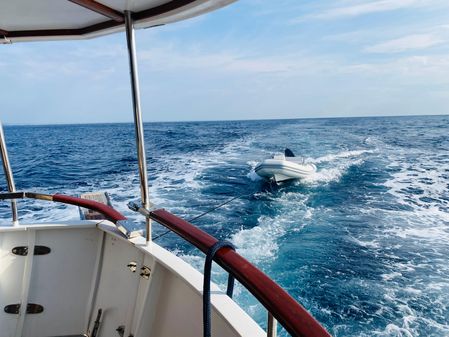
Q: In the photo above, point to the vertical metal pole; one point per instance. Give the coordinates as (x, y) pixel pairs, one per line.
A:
(272, 329)
(8, 175)
(138, 123)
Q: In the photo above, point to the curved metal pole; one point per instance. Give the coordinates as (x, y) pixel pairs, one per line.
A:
(8, 175)
(271, 326)
(138, 123)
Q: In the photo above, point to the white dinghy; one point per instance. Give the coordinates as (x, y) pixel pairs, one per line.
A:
(285, 166)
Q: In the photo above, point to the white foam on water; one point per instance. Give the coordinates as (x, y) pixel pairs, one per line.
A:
(46, 212)
(196, 261)
(332, 167)
(252, 175)
(414, 225)
(186, 171)
(260, 243)
(413, 291)
(417, 222)
(367, 244)
(332, 174)
(430, 233)
(324, 175)
(410, 321)
(308, 214)
(390, 276)
(422, 224)
(394, 331)
(421, 183)
(339, 155)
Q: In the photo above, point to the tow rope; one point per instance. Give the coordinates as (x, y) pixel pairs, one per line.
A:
(204, 213)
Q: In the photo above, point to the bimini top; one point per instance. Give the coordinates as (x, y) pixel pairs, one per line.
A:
(31, 20)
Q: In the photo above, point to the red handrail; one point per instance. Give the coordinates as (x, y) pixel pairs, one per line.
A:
(107, 211)
(293, 317)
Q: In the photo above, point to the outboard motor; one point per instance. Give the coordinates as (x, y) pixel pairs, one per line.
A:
(289, 153)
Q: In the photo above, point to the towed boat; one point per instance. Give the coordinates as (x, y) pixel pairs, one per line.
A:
(284, 166)
(96, 277)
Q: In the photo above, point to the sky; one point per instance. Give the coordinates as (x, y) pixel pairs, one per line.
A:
(254, 59)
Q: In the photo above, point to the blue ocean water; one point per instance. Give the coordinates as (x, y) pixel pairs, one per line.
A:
(363, 244)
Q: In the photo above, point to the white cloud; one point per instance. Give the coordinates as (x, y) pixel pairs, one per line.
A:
(424, 69)
(358, 9)
(291, 67)
(409, 42)
(168, 58)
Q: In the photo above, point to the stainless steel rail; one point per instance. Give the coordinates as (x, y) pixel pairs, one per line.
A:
(8, 174)
(271, 326)
(138, 123)
(24, 195)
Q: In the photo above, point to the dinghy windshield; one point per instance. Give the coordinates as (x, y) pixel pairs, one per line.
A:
(289, 153)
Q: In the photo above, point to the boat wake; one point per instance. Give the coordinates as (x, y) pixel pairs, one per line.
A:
(340, 155)
(333, 166)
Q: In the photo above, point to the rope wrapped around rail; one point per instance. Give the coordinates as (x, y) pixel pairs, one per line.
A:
(206, 284)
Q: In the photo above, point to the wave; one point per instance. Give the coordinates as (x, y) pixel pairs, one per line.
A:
(340, 155)
(421, 186)
(337, 170)
(260, 243)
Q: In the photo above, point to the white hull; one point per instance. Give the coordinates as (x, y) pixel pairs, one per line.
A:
(87, 269)
(282, 170)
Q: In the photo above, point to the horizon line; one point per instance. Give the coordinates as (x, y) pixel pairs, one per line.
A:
(226, 120)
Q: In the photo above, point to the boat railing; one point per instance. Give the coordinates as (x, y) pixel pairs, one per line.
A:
(109, 212)
(280, 305)
(8, 174)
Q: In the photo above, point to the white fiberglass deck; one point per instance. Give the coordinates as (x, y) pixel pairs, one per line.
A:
(87, 270)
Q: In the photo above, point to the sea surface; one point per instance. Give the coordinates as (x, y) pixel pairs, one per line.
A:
(363, 244)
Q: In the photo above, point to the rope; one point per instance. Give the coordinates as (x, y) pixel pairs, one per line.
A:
(204, 213)
(206, 284)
